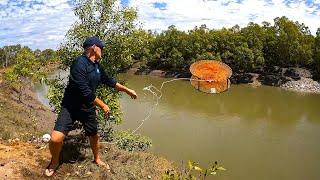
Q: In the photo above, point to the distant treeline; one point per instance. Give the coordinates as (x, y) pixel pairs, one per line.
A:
(22, 65)
(9, 54)
(284, 44)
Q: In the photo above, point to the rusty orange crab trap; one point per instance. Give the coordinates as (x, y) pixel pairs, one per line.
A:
(210, 76)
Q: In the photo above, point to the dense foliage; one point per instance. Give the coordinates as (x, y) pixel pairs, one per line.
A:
(8, 55)
(25, 66)
(316, 54)
(284, 44)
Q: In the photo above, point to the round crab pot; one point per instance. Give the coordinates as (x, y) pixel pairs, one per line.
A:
(210, 76)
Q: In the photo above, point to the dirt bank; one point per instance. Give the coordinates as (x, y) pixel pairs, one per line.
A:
(20, 160)
(22, 119)
(25, 156)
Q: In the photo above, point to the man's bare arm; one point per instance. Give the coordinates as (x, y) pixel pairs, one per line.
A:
(102, 105)
(123, 88)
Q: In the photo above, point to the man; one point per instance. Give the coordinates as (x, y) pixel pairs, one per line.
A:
(79, 101)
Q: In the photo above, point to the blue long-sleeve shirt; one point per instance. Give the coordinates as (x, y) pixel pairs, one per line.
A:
(85, 76)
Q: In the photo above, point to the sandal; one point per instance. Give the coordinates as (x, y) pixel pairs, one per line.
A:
(50, 171)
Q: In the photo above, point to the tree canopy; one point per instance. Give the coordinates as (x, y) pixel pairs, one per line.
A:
(286, 43)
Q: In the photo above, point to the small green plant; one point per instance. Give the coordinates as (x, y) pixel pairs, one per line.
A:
(132, 142)
(193, 171)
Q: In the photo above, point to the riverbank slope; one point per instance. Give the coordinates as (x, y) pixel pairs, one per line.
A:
(24, 155)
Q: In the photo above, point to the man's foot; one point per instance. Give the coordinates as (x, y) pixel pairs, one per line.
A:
(102, 164)
(51, 169)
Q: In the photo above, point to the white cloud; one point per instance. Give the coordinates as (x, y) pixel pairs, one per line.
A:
(43, 23)
(37, 23)
(3, 2)
(186, 14)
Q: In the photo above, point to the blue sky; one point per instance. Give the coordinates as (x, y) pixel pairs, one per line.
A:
(43, 23)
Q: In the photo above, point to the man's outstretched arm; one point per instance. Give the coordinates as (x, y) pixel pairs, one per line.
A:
(123, 88)
(109, 81)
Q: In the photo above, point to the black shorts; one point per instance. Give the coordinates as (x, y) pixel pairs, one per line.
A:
(68, 116)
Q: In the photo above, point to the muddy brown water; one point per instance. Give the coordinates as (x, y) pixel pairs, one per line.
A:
(255, 133)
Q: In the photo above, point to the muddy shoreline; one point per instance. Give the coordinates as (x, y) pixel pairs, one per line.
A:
(293, 79)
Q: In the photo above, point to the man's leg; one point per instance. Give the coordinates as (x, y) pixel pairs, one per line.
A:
(63, 126)
(55, 146)
(90, 126)
(95, 146)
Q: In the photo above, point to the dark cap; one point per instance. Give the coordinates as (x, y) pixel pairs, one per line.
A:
(94, 40)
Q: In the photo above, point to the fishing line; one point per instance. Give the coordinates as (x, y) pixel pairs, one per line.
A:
(157, 94)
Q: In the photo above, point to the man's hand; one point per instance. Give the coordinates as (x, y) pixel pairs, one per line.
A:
(123, 88)
(106, 110)
(132, 93)
(103, 106)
